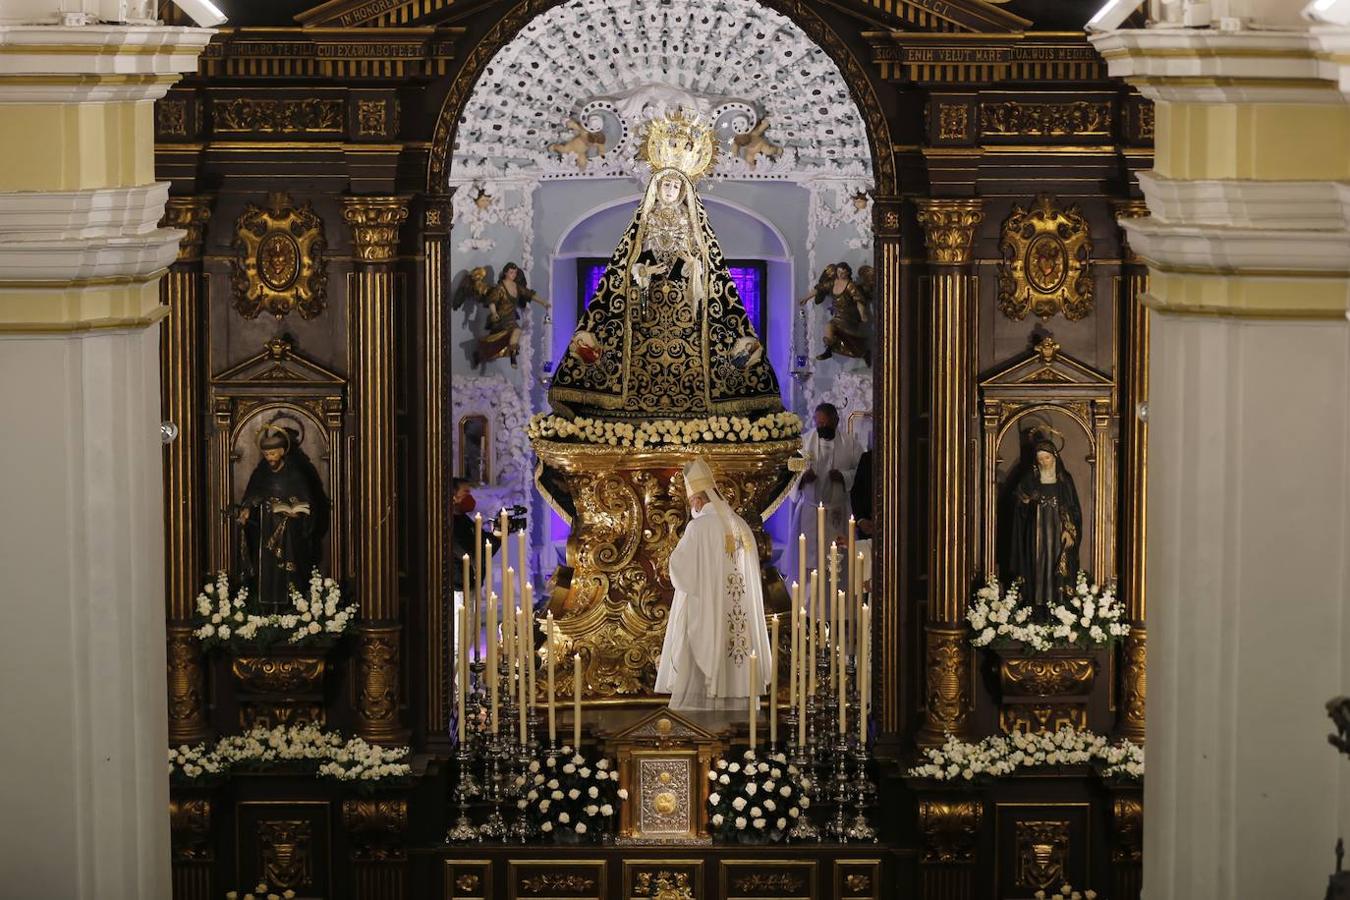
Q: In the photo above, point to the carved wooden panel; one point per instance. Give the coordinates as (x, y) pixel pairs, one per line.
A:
(663, 879)
(581, 879)
(468, 879)
(286, 843)
(1041, 846)
(743, 879)
(857, 878)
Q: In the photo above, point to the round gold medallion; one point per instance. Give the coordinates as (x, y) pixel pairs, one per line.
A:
(664, 803)
(278, 260)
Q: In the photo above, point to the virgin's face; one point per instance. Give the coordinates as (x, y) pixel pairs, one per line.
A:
(1045, 459)
(669, 190)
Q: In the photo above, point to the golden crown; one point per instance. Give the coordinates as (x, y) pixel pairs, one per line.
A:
(677, 141)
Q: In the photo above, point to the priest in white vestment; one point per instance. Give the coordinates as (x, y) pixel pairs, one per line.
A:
(833, 462)
(717, 618)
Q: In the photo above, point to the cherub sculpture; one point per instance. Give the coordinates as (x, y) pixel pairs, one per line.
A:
(850, 313)
(504, 301)
(754, 144)
(580, 144)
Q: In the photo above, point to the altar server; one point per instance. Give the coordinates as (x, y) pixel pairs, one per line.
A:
(833, 456)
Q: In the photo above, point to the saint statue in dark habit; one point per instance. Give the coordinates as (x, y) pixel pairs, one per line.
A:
(283, 517)
(1047, 525)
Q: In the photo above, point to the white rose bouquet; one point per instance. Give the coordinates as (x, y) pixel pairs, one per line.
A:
(304, 748)
(261, 891)
(753, 800)
(316, 618)
(1066, 892)
(1091, 616)
(666, 432)
(960, 761)
(570, 799)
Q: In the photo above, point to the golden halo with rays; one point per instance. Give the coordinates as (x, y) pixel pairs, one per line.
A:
(1038, 427)
(679, 141)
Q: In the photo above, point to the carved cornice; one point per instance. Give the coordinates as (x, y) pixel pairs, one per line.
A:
(949, 229)
(375, 223)
(927, 58)
(386, 53)
(191, 213)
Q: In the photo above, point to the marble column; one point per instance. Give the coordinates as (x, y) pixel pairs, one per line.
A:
(375, 222)
(1248, 479)
(82, 654)
(949, 230)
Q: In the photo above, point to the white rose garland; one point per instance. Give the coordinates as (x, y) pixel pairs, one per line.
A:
(993, 757)
(666, 432)
(338, 757)
(317, 616)
(1092, 616)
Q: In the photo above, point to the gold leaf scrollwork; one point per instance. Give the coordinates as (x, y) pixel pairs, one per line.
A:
(764, 882)
(1039, 676)
(1135, 683)
(663, 885)
(1041, 718)
(1079, 118)
(377, 682)
(952, 120)
(467, 883)
(857, 882)
(190, 828)
(279, 674)
(947, 680)
(279, 263)
(1042, 853)
(250, 115)
(1127, 814)
(554, 882)
(377, 827)
(951, 829)
(1047, 262)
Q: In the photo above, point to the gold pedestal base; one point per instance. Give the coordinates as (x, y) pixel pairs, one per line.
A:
(627, 510)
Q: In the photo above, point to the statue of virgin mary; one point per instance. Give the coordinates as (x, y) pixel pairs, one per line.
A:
(666, 334)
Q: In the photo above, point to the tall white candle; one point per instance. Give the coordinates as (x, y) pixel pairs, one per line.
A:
(792, 652)
(801, 692)
(552, 692)
(858, 602)
(813, 630)
(773, 684)
(833, 614)
(523, 570)
(529, 657)
(864, 674)
(754, 697)
(459, 671)
(492, 655)
(476, 629)
(842, 669)
(576, 703)
(801, 560)
(820, 539)
(524, 682)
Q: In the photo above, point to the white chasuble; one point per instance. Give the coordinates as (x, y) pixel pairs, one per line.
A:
(842, 455)
(717, 618)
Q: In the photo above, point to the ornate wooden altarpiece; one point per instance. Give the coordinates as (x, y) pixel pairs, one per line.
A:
(982, 124)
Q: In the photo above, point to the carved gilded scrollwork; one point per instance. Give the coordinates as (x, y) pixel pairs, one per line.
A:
(190, 829)
(377, 664)
(1134, 692)
(664, 885)
(1042, 853)
(286, 852)
(952, 122)
(1079, 118)
(250, 115)
(1047, 676)
(950, 829)
(550, 883)
(191, 214)
(377, 827)
(187, 687)
(279, 674)
(467, 883)
(1047, 262)
(949, 228)
(1127, 815)
(946, 685)
(279, 263)
(627, 509)
(1041, 718)
(770, 883)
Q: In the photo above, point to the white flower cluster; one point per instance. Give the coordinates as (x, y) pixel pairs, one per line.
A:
(340, 758)
(1090, 616)
(756, 797)
(222, 619)
(667, 432)
(568, 794)
(1066, 892)
(996, 756)
(261, 891)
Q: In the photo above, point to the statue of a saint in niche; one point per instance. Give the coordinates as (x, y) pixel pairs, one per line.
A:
(1047, 522)
(504, 300)
(283, 517)
(850, 310)
(666, 334)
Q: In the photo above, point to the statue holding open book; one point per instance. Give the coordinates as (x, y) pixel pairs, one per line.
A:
(283, 517)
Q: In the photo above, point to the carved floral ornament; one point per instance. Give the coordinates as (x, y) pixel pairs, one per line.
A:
(279, 263)
(1047, 262)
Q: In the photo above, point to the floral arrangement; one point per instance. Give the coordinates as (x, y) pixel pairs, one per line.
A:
(261, 892)
(1066, 893)
(328, 753)
(957, 760)
(226, 621)
(756, 799)
(1089, 616)
(571, 799)
(667, 432)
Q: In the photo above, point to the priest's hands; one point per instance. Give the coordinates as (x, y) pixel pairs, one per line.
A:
(809, 477)
(836, 475)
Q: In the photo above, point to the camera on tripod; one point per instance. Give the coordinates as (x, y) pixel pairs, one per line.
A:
(517, 517)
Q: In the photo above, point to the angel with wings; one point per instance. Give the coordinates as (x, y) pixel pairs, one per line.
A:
(849, 327)
(504, 301)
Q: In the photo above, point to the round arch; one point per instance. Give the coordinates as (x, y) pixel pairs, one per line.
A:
(505, 29)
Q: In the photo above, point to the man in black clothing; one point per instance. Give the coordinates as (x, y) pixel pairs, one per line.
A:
(860, 495)
(462, 533)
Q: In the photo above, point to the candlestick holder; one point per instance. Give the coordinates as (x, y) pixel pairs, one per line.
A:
(859, 829)
(520, 830)
(804, 831)
(837, 829)
(462, 831)
(789, 747)
(495, 826)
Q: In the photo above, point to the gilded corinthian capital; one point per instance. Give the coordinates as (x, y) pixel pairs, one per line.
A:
(949, 228)
(375, 222)
(191, 214)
